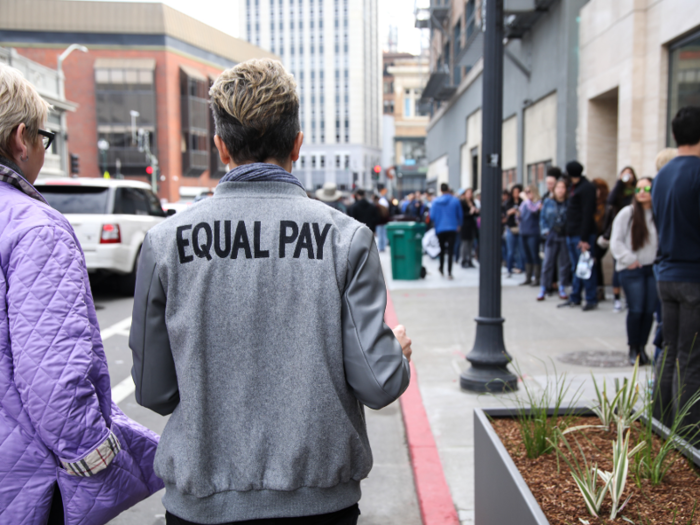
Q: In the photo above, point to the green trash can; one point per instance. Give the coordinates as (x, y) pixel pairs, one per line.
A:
(406, 249)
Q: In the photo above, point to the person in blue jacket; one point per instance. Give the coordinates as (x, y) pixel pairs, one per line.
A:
(446, 215)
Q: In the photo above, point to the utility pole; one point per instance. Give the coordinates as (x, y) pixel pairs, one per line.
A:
(489, 359)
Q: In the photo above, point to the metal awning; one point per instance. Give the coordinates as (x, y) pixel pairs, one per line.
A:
(435, 82)
(473, 51)
(193, 73)
(519, 22)
(125, 63)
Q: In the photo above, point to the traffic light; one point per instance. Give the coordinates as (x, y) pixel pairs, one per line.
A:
(74, 164)
(149, 170)
(377, 170)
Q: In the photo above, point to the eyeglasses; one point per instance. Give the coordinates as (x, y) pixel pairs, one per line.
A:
(643, 188)
(47, 137)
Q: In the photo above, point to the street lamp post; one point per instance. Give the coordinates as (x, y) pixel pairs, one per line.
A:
(103, 146)
(134, 115)
(489, 359)
(59, 64)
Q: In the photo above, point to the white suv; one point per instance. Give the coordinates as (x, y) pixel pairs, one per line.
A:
(110, 218)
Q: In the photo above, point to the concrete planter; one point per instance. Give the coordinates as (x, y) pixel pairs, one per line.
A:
(500, 493)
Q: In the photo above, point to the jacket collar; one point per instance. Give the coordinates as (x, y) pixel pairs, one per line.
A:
(11, 174)
(267, 188)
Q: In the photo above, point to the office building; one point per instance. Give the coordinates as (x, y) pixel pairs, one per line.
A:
(404, 121)
(628, 98)
(540, 72)
(144, 81)
(332, 49)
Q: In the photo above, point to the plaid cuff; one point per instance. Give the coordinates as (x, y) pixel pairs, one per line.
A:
(97, 460)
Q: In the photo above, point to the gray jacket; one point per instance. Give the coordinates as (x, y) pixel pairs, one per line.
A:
(258, 323)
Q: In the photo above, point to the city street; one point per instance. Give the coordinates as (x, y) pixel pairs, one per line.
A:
(439, 316)
(388, 495)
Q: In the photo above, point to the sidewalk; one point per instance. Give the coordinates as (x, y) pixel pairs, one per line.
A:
(439, 317)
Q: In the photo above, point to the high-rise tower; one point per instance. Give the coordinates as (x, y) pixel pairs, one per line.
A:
(332, 49)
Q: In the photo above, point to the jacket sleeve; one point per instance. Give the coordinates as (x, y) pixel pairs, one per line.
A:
(460, 214)
(588, 205)
(51, 341)
(154, 368)
(619, 246)
(375, 367)
(544, 226)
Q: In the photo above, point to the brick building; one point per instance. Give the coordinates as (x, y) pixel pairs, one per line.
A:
(147, 71)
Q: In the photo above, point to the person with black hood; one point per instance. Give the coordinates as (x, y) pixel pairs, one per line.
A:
(581, 234)
(364, 211)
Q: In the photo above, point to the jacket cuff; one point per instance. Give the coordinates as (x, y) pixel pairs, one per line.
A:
(97, 460)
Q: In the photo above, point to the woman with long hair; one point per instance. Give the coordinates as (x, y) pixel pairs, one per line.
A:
(529, 222)
(513, 241)
(468, 232)
(634, 243)
(553, 229)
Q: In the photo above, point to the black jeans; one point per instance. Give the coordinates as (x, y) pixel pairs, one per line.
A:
(556, 255)
(640, 289)
(680, 362)
(447, 248)
(346, 516)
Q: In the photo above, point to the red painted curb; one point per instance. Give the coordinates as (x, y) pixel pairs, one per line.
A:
(434, 498)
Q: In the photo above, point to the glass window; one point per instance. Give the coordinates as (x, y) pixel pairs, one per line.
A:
(131, 201)
(154, 206)
(684, 81)
(102, 76)
(76, 199)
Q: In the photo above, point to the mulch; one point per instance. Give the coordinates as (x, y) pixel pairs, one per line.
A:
(669, 503)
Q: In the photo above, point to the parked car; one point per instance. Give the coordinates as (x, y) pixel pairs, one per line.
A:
(176, 207)
(110, 218)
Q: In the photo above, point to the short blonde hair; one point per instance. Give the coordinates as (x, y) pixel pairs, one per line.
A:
(664, 156)
(256, 110)
(19, 103)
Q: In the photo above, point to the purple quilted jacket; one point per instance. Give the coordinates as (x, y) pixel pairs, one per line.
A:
(57, 420)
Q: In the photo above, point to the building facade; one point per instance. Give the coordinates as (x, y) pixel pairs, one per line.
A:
(408, 75)
(540, 81)
(48, 83)
(339, 81)
(627, 98)
(143, 82)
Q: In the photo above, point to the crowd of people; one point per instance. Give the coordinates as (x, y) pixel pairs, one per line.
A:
(651, 225)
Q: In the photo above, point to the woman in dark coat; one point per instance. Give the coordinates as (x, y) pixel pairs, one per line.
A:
(469, 230)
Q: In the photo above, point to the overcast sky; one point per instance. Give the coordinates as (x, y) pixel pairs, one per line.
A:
(222, 15)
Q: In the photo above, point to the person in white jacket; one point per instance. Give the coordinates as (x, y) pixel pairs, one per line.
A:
(634, 242)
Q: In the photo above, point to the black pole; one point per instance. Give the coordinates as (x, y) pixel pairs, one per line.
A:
(489, 359)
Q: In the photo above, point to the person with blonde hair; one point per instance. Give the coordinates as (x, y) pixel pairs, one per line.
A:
(665, 156)
(68, 453)
(258, 324)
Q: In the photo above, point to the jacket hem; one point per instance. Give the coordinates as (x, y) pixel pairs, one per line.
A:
(234, 505)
